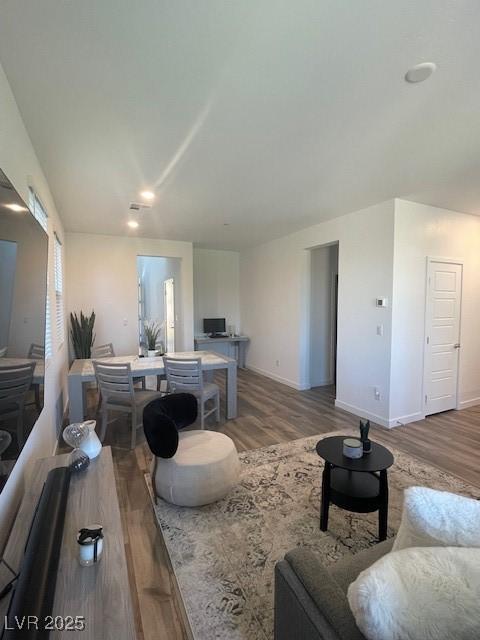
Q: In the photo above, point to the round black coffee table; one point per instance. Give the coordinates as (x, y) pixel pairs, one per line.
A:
(355, 485)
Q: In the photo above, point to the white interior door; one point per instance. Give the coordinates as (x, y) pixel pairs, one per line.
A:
(169, 309)
(442, 335)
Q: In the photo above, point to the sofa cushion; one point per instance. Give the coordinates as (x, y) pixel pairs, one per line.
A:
(346, 570)
(428, 593)
(433, 518)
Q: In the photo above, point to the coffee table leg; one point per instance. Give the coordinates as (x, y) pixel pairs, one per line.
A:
(383, 510)
(325, 497)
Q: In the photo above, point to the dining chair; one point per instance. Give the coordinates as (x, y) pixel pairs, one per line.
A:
(36, 352)
(107, 351)
(3, 352)
(15, 383)
(186, 376)
(115, 383)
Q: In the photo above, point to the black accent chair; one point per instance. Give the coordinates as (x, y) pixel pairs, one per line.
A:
(163, 417)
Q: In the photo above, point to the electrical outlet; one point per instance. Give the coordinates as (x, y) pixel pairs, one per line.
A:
(379, 329)
(378, 395)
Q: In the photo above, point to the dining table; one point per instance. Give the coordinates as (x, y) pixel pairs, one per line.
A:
(82, 372)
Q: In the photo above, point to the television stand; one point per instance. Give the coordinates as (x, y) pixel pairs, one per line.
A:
(100, 593)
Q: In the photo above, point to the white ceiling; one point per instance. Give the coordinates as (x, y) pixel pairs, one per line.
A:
(269, 116)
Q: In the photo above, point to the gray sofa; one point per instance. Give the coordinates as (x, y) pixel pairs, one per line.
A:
(311, 601)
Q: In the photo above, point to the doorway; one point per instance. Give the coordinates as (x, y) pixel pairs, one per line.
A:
(442, 335)
(159, 300)
(323, 315)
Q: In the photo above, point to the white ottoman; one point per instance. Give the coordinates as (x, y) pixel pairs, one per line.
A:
(204, 469)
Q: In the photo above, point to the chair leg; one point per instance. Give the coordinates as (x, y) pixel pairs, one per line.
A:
(99, 403)
(134, 430)
(37, 398)
(217, 400)
(144, 383)
(20, 436)
(103, 430)
(202, 413)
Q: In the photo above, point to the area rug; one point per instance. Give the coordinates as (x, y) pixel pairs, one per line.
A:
(224, 554)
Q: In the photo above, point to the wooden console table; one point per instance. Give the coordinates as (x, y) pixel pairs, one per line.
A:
(100, 593)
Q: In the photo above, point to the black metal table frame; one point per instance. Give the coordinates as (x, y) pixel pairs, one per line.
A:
(353, 503)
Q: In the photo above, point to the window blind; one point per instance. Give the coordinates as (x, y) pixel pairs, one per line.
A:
(59, 316)
(41, 215)
(37, 208)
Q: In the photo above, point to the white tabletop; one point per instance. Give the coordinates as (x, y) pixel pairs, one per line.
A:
(152, 366)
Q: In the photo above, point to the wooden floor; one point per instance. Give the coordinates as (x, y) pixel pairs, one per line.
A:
(269, 413)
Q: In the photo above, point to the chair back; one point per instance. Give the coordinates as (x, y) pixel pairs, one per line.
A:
(103, 351)
(183, 375)
(36, 352)
(3, 352)
(115, 381)
(15, 382)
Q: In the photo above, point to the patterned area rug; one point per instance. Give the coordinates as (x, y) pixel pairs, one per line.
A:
(224, 554)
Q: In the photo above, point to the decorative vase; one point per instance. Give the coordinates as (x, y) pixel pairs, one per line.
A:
(91, 445)
(151, 353)
(367, 446)
(81, 435)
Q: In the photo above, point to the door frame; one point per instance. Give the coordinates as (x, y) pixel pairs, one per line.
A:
(428, 262)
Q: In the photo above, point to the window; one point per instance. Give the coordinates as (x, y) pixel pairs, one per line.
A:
(41, 215)
(37, 208)
(59, 290)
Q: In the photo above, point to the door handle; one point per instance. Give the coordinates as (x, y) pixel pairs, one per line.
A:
(456, 346)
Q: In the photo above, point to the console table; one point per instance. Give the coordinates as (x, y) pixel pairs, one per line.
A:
(100, 593)
(233, 347)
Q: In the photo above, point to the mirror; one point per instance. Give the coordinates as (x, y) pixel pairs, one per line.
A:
(23, 287)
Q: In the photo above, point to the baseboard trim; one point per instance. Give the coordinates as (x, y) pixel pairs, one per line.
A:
(362, 413)
(272, 376)
(465, 404)
(402, 420)
(320, 383)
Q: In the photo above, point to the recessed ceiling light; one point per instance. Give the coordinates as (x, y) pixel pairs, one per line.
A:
(133, 224)
(420, 72)
(16, 207)
(147, 195)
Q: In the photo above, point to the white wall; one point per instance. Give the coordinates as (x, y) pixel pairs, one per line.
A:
(101, 274)
(420, 232)
(275, 306)
(323, 269)
(216, 287)
(19, 162)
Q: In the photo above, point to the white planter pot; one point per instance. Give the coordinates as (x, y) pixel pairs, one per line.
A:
(152, 354)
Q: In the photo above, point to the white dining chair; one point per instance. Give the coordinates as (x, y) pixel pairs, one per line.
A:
(115, 383)
(107, 351)
(36, 352)
(15, 382)
(186, 376)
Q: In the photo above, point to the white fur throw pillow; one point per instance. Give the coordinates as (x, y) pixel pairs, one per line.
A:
(419, 594)
(438, 519)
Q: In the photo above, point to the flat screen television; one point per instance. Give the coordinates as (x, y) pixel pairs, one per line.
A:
(23, 290)
(214, 326)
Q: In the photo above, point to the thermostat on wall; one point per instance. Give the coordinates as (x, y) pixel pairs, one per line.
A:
(381, 302)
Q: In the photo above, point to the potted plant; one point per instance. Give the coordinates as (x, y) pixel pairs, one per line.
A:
(152, 331)
(81, 332)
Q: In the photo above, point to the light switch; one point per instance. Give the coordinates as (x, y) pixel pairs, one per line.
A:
(379, 329)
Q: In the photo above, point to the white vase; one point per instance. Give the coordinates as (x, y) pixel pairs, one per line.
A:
(152, 353)
(91, 445)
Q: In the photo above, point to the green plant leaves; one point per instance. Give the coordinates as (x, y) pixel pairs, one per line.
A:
(81, 332)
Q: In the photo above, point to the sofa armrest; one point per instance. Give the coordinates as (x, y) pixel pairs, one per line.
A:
(309, 604)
